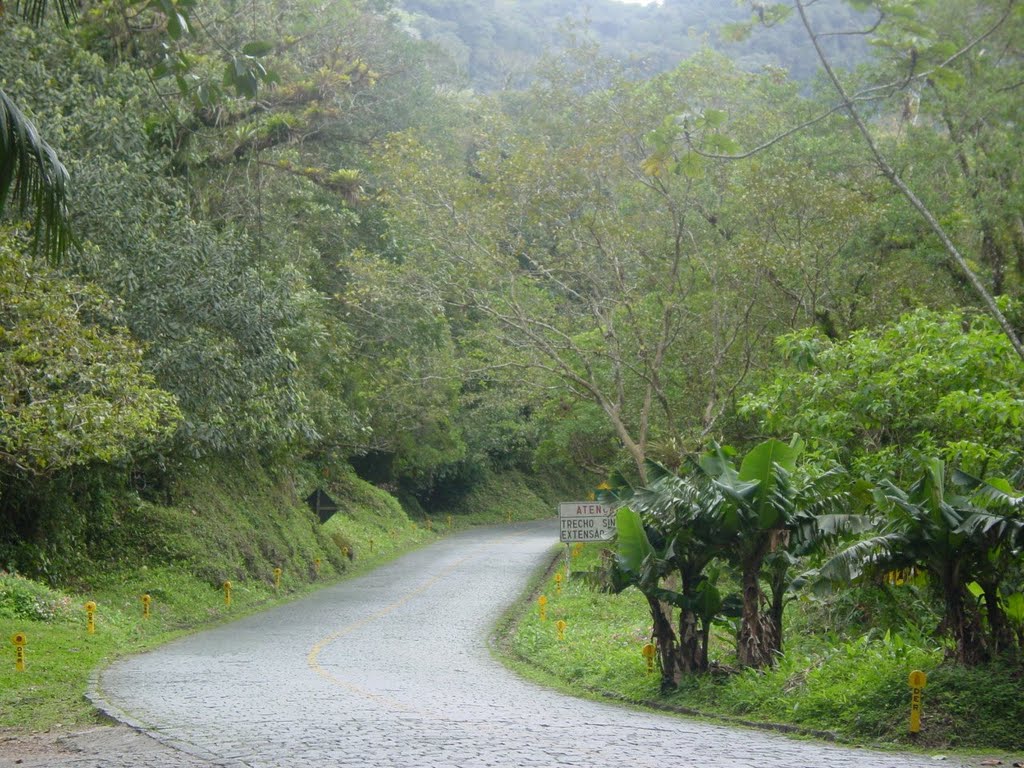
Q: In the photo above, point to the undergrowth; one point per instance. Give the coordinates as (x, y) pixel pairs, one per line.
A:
(228, 522)
(838, 677)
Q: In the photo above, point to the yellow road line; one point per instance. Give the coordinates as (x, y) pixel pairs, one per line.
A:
(313, 657)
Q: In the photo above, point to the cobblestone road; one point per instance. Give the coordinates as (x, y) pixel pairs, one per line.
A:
(391, 670)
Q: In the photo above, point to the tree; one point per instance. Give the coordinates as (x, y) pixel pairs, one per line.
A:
(668, 535)
(923, 56)
(74, 391)
(759, 517)
(769, 506)
(238, 270)
(996, 525)
(614, 267)
(940, 383)
(950, 537)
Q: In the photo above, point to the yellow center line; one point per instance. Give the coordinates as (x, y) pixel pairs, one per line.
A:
(313, 657)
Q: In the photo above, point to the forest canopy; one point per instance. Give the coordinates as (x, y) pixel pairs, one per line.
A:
(290, 232)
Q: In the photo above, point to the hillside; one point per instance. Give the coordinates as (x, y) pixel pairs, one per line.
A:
(496, 44)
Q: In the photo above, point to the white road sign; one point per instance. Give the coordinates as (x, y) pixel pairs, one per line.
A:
(585, 521)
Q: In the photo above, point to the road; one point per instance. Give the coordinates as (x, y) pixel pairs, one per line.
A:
(392, 670)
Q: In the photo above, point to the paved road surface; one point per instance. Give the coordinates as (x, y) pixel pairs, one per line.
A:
(391, 670)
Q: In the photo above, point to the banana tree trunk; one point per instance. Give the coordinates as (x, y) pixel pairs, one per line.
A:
(1000, 632)
(692, 645)
(962, 623)
(755, 644)
(778, 606)
(666, 642)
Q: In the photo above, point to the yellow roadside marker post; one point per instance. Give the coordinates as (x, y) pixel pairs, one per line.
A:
(316, 565)
(917, 682)
(90, 613)
(146, 602)
(227, 594)
(648, 652)
(277, 579)
(542, 603)
(558, 583)
(577, 549)
(561, 625)
(19, 639)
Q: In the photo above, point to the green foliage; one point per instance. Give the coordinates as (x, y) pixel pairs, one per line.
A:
(500, 496)
(956, 541)
(574, 435)
(33, 176)
(74, 388)
(24, 599)
(632, 545)
(498, 45)
(840, 674)
(976, 703)
(583, 268)
(946, 382)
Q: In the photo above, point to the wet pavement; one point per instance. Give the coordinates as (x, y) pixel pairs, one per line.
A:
(392, 670)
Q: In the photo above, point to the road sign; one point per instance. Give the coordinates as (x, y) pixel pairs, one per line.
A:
(585, 521)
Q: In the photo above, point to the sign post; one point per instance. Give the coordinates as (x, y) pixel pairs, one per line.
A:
(90, 612)
(917, 682)
(20, 639)
(648, 652)
(583, 521)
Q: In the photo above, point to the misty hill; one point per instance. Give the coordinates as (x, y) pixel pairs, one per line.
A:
(496, 43)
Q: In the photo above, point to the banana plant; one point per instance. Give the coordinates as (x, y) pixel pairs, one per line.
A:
(666, 539)
(956, 539)
(769, 511)
(995, 526)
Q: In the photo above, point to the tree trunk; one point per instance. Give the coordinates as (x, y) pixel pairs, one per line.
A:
(1000, 633)
(665, 640)
(755, 643)
(964, 625)
(692, 652)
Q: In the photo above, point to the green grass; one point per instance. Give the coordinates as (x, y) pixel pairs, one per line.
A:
(852, 687)
(228, 523)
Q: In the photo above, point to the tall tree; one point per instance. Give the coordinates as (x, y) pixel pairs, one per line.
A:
(922, 55)
(610, 262)
(74, 391)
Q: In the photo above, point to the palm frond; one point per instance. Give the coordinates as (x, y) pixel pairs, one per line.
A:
(1000, 527)
(990, 494)
(33, 178)
(881, 550)
(34, 11)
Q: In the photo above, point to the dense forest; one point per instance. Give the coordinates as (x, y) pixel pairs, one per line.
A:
(497, 44)
(280, 232)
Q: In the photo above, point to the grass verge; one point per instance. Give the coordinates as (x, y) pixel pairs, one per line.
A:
(852, 689)
(234, 526)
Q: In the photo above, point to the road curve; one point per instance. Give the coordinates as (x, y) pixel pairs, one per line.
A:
(391, 670)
